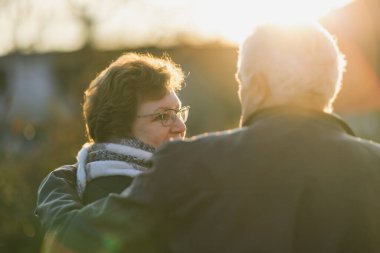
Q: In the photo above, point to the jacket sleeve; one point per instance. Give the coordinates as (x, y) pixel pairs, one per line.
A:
(111, 224)
(57, 199)
(134, 221)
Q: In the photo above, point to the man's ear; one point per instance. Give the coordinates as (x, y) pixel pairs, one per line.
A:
(260, 88)
(254, 94)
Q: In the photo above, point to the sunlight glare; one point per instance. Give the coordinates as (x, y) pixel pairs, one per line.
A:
(45, 25)
(232, 20)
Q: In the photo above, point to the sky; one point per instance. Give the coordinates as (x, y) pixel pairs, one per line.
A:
(66, 25)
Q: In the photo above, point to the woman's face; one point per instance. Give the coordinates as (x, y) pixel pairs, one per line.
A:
(148, 126)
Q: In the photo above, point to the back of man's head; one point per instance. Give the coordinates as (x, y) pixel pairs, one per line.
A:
(293, 65)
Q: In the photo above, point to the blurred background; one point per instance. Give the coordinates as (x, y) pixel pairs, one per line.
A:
(51, 49)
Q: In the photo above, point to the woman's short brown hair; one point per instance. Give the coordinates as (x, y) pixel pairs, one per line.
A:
(112, 98)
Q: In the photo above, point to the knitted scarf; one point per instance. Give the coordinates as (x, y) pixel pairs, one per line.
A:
(129, 157)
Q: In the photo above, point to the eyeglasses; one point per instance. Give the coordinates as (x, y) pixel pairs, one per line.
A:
(169, 116)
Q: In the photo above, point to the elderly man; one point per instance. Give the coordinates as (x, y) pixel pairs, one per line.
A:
(293, 178)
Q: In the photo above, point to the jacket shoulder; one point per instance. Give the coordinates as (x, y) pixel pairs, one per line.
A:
(65, 172)
(202, 140)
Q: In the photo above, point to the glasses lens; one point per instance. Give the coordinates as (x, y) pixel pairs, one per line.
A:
(167, 117)
(170, 116)
(183, 114)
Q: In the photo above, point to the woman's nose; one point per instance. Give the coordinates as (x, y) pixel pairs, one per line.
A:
(179, 126)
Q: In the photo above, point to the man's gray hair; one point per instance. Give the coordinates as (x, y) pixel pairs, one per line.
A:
(300, 61)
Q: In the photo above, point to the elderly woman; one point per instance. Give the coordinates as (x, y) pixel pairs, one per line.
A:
(130, 109)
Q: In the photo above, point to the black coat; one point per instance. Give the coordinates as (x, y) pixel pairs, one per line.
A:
(290, 181)
(101, 187)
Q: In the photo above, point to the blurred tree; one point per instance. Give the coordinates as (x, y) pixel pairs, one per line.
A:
(82, 14)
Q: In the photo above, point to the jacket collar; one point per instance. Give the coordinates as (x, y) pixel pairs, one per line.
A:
(294, 110)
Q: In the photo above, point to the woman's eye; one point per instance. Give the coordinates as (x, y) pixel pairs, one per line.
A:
(157, 118)
(165, 116)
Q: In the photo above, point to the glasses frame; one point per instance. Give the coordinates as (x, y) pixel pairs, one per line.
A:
(173, 118)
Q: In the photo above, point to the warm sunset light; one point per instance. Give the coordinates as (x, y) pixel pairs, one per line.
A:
(231, 20)
(262, 168)
(67, 25)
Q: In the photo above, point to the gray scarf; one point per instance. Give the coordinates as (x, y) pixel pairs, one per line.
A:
(129, 157)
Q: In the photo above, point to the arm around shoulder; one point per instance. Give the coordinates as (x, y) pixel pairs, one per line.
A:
(108, 225)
